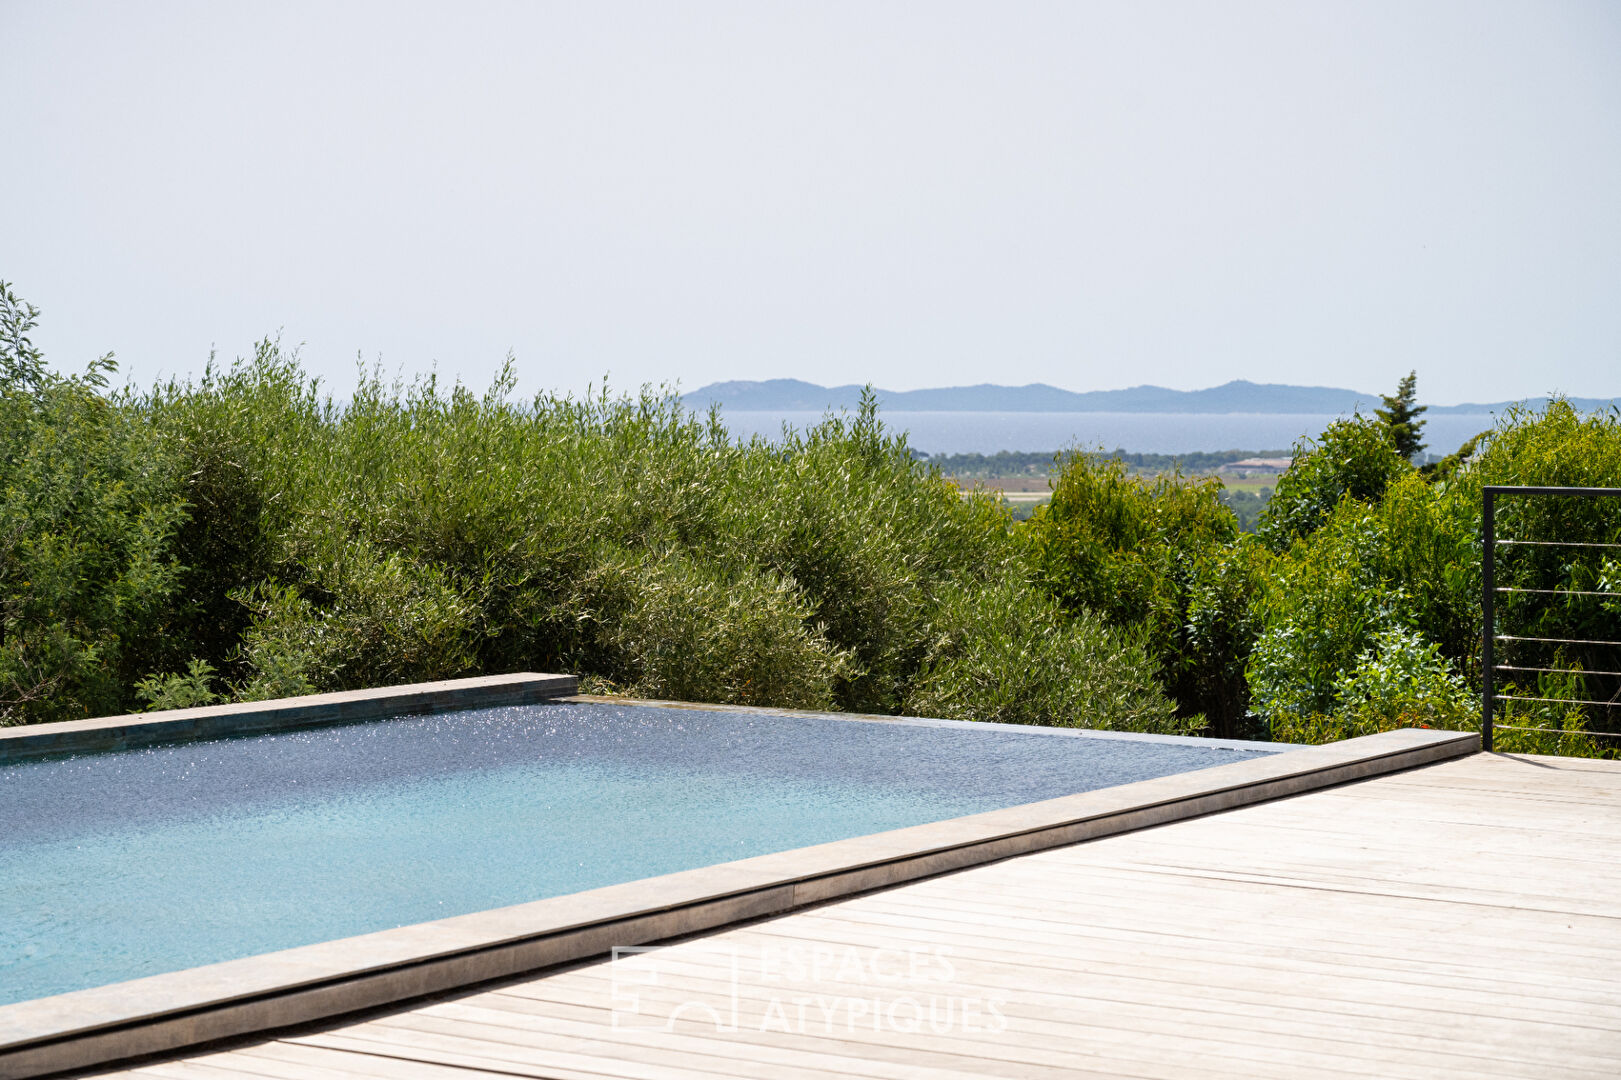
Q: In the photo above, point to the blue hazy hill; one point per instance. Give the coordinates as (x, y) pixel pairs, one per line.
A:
(1238, 396)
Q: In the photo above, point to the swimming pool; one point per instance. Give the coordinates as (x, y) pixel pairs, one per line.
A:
(119, 865)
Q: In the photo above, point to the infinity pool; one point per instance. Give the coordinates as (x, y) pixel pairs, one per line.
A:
(119, 865)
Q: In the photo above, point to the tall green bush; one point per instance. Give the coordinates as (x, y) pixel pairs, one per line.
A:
(1218, 635)
(1408, 562)
(89, 505)
(1162, 557)
(673, 627)
(226, 434)
(1011, 656)
(1557, 446)
(1355, 459)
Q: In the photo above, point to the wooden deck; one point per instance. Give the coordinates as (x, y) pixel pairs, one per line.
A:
(1459, 920)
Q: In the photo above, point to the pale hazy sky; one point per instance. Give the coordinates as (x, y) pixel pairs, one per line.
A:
(1093, 195)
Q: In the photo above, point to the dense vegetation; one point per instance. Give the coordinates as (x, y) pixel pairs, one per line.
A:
(1356, 605)
(241, 537)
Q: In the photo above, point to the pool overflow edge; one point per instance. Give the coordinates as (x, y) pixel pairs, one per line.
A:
(108, 733)
(164, 1013)
(1201, 741)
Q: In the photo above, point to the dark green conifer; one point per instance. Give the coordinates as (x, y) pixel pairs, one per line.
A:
(1400, 415)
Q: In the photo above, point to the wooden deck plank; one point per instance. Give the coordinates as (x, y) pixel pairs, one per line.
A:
(1260, 901)
(499, 1059)
(609, 1056)
(323, 1065)
(197, 1070)
(1486, 904)
(1175, 1008)
(1461, 919)
(1031, 943)
(1108, 985)
(926, 1046)
(1458, 841)
(1546, 982)
(1351, 818)
(1235, 1050)
(1076, 1041)
(1372, 951)
(1118, 883)
(300, 1058)
(835, 1055)
(1252, 1014)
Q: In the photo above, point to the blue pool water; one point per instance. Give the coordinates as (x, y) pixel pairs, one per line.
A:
(114, 866)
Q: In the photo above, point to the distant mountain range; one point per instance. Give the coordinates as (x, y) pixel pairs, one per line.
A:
(1238, 396)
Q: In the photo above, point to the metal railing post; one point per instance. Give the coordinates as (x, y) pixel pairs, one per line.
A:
(1488, 661)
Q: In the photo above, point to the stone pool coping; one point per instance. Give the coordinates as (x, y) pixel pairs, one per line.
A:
(161, 1013)
(104, 733)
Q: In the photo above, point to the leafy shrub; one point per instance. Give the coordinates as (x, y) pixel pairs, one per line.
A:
(1410, 561)
(1219, 632)
(386, 620)
(1138, 554)
(1404, 681)
(89, 502)
(182, 690)
(1400, 681)
(1548, 726)
(1016, 660)
(1319, 611)
(869, 536)
(1112, 543)
(223, 433)
(671, 628)
(1355, 458)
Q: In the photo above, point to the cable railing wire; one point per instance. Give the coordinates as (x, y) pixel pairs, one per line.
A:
(1557, 700)
(1562, 731)
(1557, 543)
(1489, 590)
(1559, 640)
(1557, 670)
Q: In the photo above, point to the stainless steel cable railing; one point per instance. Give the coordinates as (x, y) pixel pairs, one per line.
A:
(1490, 589)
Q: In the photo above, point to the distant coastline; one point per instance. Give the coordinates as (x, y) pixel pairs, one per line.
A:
(1238, 396)
(983, 431)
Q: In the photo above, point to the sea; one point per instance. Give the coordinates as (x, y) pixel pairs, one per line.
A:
(1144, 433)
